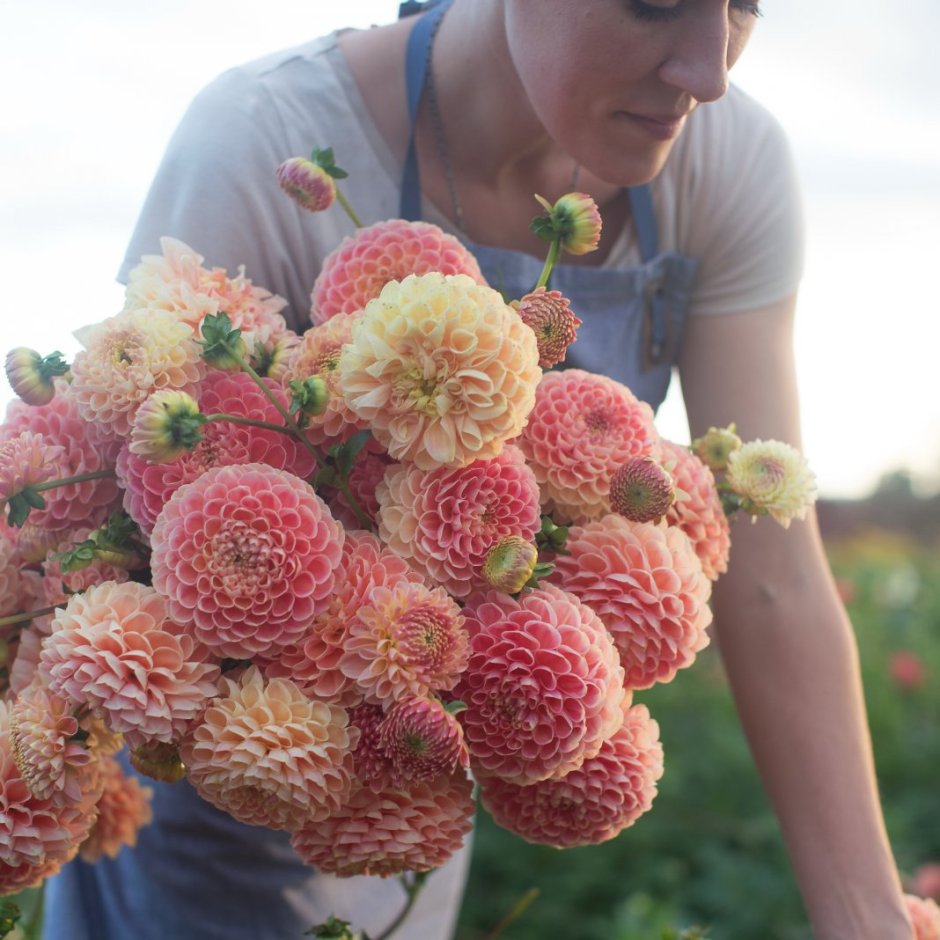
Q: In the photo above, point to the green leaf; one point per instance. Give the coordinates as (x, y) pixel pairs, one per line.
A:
(347, 452)
(33, 498)
(543, 226)
(325, 160)
(9, 917)
(18, 510)
(455, 707)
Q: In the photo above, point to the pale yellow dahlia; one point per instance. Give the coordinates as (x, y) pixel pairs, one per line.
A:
(268, 755)
(772, 477)
(129, 357)
(442, 369)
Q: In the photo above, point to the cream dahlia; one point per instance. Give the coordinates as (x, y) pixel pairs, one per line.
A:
(393, 831)
(445, 522)
(270, 756)
(543, 687)
(405, 640)
(647, 585)
(123, 809)
(772, 477)
(582, 429)
(698, 510)
(594, 802)
(356, 271)
(443, 371)
(115, 649)
(247, 555)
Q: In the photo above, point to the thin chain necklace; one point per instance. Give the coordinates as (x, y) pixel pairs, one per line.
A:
(440, 140)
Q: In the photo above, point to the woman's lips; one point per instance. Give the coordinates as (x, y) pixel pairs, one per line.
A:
(660, 126)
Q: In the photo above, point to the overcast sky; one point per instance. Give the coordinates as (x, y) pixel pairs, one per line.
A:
(93, 89)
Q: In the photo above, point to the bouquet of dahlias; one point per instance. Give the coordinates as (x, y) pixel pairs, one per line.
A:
(340, 581)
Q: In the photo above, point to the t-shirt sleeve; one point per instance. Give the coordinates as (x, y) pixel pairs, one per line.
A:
(740, 209)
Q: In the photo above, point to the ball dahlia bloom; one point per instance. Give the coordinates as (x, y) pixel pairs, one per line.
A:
(313, 661)
(116, 650)
(147, 486)
(642, 490)
(393, 831)
(122, 810)
(406, 640)
(647, 585)
(548, 314)
(698, 510)
(772, 477)
(543, 687)
(356, 271)
(593, 803)
(128, 357)
(49, 757)
(925, 917)
(443, 371)
(445, 522)
(26, 460)
(247, 555)
(60, 423)
(270, 756)
(583, 428)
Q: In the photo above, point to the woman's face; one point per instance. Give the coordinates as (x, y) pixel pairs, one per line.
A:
(612, 81)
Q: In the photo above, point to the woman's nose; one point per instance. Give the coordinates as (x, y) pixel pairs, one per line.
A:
(697, 63)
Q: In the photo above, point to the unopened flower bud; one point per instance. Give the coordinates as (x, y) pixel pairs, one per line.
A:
(641, 490)
(509, 564)
(574, 220)
(166, 425)
(716, 446)
(306, 183)
(310, 397)
(31, 376)
(548, 313)
(159, 761)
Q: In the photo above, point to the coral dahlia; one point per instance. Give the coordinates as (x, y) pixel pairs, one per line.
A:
(445, 522)
(647, 585)
(356, 271)
(247, 555)
(594, 802)
(583, 428)
(443, 371)
(543, 687)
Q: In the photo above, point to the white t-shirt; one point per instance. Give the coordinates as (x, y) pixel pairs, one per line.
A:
(727, 195)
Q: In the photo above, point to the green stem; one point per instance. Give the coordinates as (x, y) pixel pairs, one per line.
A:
(554, 250)
(344, 202)
(518, 909)
(25, 616)
(251, 422)
(412, 889)
(34, 923)
(364, 520)
(80, 478)
(284, 413)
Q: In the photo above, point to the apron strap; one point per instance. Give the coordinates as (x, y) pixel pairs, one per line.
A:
(644, 221)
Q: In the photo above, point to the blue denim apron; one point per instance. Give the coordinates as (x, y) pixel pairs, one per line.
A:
(196, 873)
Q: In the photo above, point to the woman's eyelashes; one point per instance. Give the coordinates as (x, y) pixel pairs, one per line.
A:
(661, 13)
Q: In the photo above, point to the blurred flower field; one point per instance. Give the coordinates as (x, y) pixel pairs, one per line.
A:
(709, 855)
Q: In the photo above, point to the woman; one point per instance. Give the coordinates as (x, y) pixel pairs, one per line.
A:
(511, 98)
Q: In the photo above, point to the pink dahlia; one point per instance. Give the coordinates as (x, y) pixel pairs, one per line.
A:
(543, 688)
(270, 756)
(247, 555)
(34, 832)
(642, 490)
(926, 881)
(443, 371)
(25, 659)
(925, 917)
(593, 803)
(548, 314)
(356, 271)
(372, 764)
(115, 649)
(50, 758)
(445, 522)
(393, 831)
(129, 357)
(582, 429)
(317, 354)
(405, 640)
(698, 510)
(647, 585)
(147, 486)
(423, 740)
(26, 460)
(122, 810)
(313, 661)
(60, 423)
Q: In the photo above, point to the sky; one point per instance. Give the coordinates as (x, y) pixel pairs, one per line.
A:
(94, 89)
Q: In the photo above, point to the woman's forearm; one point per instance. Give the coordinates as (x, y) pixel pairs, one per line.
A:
(792, 663)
